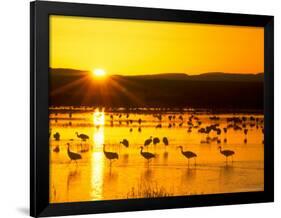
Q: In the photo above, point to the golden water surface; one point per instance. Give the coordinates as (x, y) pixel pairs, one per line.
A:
(168, 174)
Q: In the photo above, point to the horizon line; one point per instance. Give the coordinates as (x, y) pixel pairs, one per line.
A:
(152, 74)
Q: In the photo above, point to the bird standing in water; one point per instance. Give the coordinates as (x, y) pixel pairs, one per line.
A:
(188, 154)
(125, 142)
(82, 136)
(226, 153)
(148, 141)
(57, 136)
(57, 149)
(165, 141)
(146, 155)
(110, 155)
(72, 155)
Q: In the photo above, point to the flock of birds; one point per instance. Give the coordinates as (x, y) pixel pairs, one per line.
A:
(193, 122)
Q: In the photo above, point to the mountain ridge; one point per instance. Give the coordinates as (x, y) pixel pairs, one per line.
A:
(221, 76)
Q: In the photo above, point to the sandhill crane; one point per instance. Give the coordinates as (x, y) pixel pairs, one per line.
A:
(159, 126)
(148, 141)
(72, 155)
(57, 149)
(125, 142)
(165, 141)
(188, 154)
(226, 153)
(245, 131)
(156, 140)
(82, 136)
(131, 129)
(110, 155)
(181, 118)
(139, 129)
(225, 130)
(146, 155)
(57, 136)
(139, 121)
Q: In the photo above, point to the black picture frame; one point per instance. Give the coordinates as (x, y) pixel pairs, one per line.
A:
(39, 119)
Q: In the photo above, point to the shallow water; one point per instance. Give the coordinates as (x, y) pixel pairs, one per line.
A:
(168, 174)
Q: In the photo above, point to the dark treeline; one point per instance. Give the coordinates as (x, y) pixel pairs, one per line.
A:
(214, 91)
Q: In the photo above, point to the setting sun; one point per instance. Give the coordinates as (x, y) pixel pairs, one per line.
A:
(99, 72)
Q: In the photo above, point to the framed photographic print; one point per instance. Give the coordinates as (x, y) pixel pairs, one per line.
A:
(141, 109)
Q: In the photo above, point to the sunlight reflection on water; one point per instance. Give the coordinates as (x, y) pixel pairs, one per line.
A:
(93, 179)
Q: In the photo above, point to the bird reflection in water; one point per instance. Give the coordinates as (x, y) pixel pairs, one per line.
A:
(189, 174)
(166, 156)
(226, 173)
(111, 176)
(147, 174)
(72, 176)
(125, 158)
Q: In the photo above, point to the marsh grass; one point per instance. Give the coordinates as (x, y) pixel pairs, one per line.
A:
(148, 190)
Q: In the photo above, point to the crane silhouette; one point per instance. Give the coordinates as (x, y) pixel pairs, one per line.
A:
(188, 154)
(110, 155)
(57, 149)
(57, 136)
(125, 142)
(146, 155)
(165, 141)
(72, 155)
(148, 141)
(156, 140)
(159, 126)
(82, 136)
(226, 153)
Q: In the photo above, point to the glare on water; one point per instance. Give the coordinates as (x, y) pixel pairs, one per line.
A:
(94, 177)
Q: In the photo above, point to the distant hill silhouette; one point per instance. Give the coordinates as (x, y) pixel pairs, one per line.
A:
(208, 90)
(202, 77)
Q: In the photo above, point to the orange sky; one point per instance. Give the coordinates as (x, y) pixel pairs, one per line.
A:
(143, 47)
